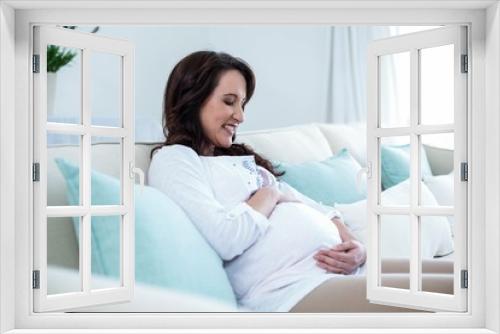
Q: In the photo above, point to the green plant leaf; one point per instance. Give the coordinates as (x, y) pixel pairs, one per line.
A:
(58, 56)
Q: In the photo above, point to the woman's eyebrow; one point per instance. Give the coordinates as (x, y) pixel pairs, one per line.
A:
(235, 95)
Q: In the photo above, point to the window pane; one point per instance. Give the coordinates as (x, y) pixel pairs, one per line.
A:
(106, 251)
(64, 87)
(64, 154)
(394, 90)
(395, 171)
(439, 181)
(63, 268)
(106, 89)
(436, 252)
(106, 170)
(437, 85)
(395, 243)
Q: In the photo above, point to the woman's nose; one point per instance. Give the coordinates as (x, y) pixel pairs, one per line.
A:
(239, 115)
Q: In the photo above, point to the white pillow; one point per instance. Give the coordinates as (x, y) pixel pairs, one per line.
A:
(395, 233)
(441, 187)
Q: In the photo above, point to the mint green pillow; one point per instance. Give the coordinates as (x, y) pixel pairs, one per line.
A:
(330, 181)
(395, 164)
(169, 250)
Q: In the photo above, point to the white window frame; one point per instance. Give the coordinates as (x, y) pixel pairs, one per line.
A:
(412, 45)
(16, 19)
(88, 44)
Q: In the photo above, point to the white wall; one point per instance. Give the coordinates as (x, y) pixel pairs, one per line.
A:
(492, 150)
(7, 167)
(290, 65)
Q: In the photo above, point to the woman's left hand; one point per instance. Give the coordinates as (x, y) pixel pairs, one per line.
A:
(343, 258)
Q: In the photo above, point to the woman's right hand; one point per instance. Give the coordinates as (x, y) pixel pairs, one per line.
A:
(286, 196)
(266, 198)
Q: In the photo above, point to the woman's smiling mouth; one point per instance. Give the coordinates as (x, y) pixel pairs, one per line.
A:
(230, 128)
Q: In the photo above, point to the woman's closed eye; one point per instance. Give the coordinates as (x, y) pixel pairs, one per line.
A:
(230, 103)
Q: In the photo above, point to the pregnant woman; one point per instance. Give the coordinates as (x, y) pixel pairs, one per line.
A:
(280, 248)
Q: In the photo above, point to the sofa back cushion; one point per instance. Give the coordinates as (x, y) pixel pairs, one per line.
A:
(293, 144)
(350, 136)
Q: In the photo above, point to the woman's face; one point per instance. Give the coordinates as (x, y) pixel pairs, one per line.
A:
(222, 112)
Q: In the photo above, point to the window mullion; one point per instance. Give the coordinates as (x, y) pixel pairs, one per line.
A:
(72, 211)
(418, 129)
(391, 210)
(77, 129)
(40, 155)
(127, 246)
(460, 155)
(414, 171)
(86, 254)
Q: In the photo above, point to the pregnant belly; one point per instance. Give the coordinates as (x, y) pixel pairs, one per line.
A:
(295, 234)
(302, 228)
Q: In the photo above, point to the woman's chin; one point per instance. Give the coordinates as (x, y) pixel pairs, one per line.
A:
(224, 144)
(227, 143)
(224, 141)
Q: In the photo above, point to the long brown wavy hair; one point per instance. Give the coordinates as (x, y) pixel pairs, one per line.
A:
(189, 85)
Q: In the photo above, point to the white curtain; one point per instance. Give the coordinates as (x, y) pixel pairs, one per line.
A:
(346, 96)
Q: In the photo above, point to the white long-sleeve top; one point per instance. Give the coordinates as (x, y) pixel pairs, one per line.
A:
(269, 261)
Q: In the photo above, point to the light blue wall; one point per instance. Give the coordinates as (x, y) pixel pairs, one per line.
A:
(290, 63)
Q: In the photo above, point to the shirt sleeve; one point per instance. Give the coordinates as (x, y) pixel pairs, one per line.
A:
(178, 172)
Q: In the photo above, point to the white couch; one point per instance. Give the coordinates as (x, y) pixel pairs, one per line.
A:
(294, 144)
